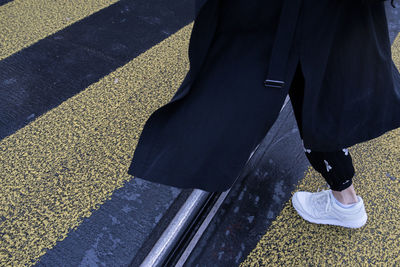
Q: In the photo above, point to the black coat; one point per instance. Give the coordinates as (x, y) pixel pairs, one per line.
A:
(204, 136)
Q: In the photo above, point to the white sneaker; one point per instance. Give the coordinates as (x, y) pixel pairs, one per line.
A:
(321, 208)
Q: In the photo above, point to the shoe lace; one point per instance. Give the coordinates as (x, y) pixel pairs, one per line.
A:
(321, 203)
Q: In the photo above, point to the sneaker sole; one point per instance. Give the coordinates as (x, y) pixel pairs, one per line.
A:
(305, 216)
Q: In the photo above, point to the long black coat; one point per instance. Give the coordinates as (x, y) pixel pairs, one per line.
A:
(204, 136)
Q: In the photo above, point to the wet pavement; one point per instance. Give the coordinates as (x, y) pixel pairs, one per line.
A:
(255, 201)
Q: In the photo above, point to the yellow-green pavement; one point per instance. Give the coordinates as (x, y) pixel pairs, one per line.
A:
(67, 162)
(24, 22)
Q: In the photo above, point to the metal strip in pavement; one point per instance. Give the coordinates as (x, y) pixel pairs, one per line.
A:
(175, 229)
(192, 244)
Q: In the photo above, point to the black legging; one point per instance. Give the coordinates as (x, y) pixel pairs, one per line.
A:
(336, 167)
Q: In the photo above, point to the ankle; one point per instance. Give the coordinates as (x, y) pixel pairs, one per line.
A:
(345, 200)
(347, 196)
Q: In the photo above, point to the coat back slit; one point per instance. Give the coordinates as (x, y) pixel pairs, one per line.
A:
(351, 88)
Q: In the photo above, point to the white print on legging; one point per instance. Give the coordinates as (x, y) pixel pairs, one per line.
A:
(345, 150)
(328, 167)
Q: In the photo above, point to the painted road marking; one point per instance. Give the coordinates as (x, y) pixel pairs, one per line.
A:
(68, 161)
(291, 241)
(24, 22)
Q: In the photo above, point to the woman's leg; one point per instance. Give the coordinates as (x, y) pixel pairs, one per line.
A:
(338, 170)
(340, 205)
(338, 179)
(346, 196)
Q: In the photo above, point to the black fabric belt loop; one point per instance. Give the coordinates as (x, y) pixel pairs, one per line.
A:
(282, 43)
